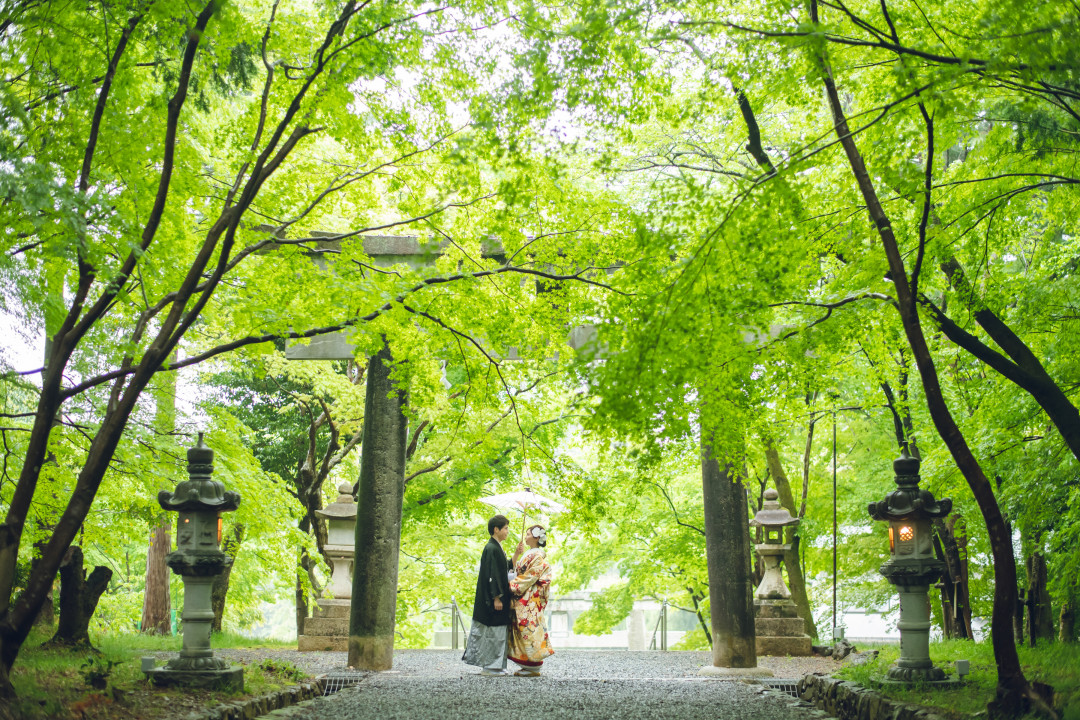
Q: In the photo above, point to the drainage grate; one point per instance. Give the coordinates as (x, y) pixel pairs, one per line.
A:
(341, 679)
(789, 687)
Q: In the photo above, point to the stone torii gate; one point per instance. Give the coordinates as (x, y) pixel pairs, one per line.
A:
(381, 486)
(380, 495)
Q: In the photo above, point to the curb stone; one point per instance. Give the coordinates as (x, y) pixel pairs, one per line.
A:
(850, 701)
(260, 705)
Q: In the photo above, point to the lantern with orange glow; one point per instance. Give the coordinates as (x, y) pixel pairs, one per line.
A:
(912, 566)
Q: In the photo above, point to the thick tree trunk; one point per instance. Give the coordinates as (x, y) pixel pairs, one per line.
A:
(727, 551)
(219, 590)
(378, 519)
(78, 599)
(157, 605)
(796, 579)
(1014, 692)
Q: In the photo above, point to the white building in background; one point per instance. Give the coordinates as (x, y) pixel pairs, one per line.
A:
(640, 631)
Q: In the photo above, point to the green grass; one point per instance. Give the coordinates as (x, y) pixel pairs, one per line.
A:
(1055, 664)
(50, 683)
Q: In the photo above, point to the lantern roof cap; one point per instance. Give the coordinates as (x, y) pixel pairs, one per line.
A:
(200, 492)
(771, 513)
(200, 453)
(908, 501)
(343, 508)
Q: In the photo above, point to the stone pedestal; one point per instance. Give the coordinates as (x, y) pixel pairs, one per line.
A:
(328, 628)
(779, 629)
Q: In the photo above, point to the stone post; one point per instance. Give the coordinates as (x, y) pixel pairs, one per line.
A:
(378, 520)
(198, 560)
(727, 543)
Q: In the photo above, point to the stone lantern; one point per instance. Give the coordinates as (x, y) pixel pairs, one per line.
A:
(912, 566)
(198, 560)
(328, 628)
(778, 627)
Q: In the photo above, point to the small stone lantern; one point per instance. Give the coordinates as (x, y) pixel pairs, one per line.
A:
(772, 519)
(198, 560)
(912, 566)
(777, 625)
(328, 628)
(340, 517)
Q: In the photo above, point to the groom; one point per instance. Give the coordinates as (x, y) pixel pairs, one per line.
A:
(492, 611)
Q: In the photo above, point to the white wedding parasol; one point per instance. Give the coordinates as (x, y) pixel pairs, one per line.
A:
(523, 501)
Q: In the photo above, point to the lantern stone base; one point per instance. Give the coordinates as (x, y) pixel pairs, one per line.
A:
(328, 629)
(231, 678)
(779, 629)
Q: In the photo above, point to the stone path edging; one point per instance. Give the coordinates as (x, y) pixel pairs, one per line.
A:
(257, 707)
(850, 701)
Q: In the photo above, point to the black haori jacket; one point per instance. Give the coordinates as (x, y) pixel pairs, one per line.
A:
(492, 583)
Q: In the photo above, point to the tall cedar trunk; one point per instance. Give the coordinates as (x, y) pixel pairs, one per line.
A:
(157, 606)
(1040, 618)
(727, 551)
(219, 590)
(796, 579)
(1013, 692)
(78, 599)
(378, 519)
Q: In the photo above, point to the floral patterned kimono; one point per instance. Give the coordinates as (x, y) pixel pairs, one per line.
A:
(529, 643)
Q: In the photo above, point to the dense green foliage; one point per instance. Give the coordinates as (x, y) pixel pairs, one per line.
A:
(534, 149)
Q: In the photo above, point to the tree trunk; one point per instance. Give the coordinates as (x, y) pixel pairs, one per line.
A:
(727, 551)
(702, 622)
(1014, 692)
(950, 543)
(219, 590)
(47, 616)
(796, 579)
(378, 519)
(157, 605)
(78, 599)
(1067, 620)
(301, 603)
(1040, 622)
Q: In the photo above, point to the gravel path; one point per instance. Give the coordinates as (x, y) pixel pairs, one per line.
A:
(578, 685)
